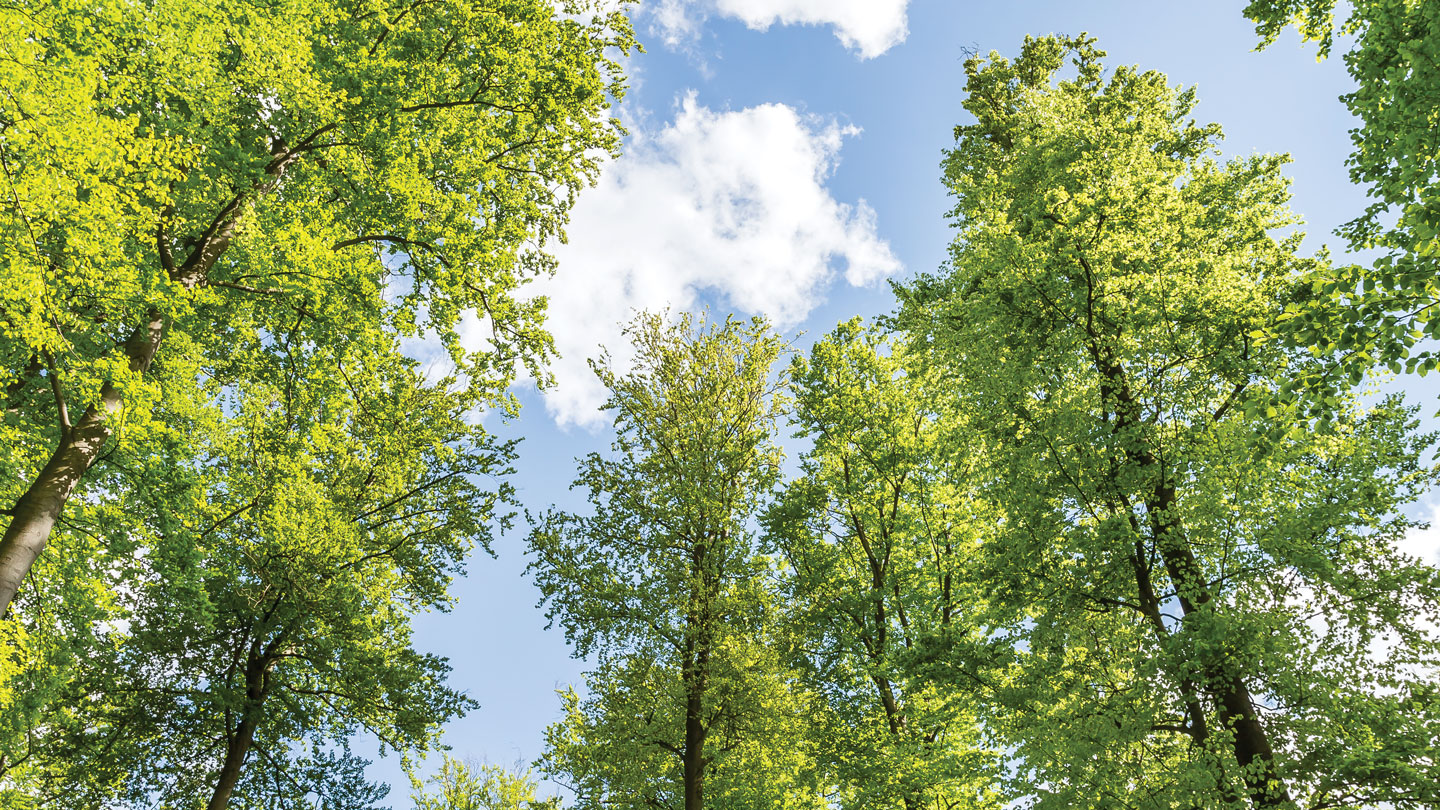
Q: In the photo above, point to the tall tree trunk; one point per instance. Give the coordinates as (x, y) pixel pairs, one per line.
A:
(236, 750)
(37, 510)
(695, 674)
(694, 759)
(893, 717)
(39, 507)
(1199, 726)
(1234, 706)
(238, 742)
(1235, 709)
(896, 721)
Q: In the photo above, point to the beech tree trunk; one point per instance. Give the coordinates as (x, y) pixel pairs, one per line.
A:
(1234, 708)
(39, 507)
(37, 510)
(694, 761)
(236, 750)
(896, 720)
(238, 742)
(695, 674)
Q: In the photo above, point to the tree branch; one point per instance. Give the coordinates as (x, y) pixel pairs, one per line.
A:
(59, 393)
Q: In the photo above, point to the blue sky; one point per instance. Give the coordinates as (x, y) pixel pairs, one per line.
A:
(784, 160)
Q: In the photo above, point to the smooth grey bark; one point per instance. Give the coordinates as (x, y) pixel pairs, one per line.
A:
(36, 511)
(39, 507)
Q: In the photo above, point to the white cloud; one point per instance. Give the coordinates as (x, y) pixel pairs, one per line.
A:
(1424, 544)
(676, 21)
(869, 27)
(732, 204)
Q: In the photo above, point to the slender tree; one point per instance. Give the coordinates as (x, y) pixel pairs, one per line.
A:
(467, 786)
(661, 584)
(1191, 604)
(874, 532)
(622, 745)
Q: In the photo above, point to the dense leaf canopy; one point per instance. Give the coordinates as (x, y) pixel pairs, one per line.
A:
(182, 178)
(220, 223)
(875, 534)
(660, 583)
(1183, 608)
(1096, 518)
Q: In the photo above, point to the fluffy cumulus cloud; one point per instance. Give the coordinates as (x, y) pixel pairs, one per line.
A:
(730, 206)
(868, 27)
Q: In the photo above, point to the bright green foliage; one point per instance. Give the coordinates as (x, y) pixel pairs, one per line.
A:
(875, 532)
(267, 599)
(662, 587)
(184, 181)
(452, 134)
(462, 786)
(1395, 62)
(179, 176)
(621, 744)
(618, 745)
(1185, 606)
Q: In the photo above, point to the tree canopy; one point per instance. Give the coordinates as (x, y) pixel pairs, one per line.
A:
(1098, 516)
(875, 533)
(1387, 308)
(221, 224)
(467, 786)
(662, 585)
(1184, 606)
(191, 177)
(265, 614)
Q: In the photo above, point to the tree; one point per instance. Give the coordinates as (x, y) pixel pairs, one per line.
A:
(190, 176)
(876, 532)
(1387, 308)
(1188, 602)
(661, 583)
(464, 786)
(271, 590)
(623, 744)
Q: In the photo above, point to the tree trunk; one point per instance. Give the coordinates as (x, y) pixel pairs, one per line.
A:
(39, 507)
(695, 673)
(237, 746)
(37, 510)
(694, 760)
(896, 721)
(236, 750)
(1234, 706)
(1199, 726)
(1235, 709)
(893, 717)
